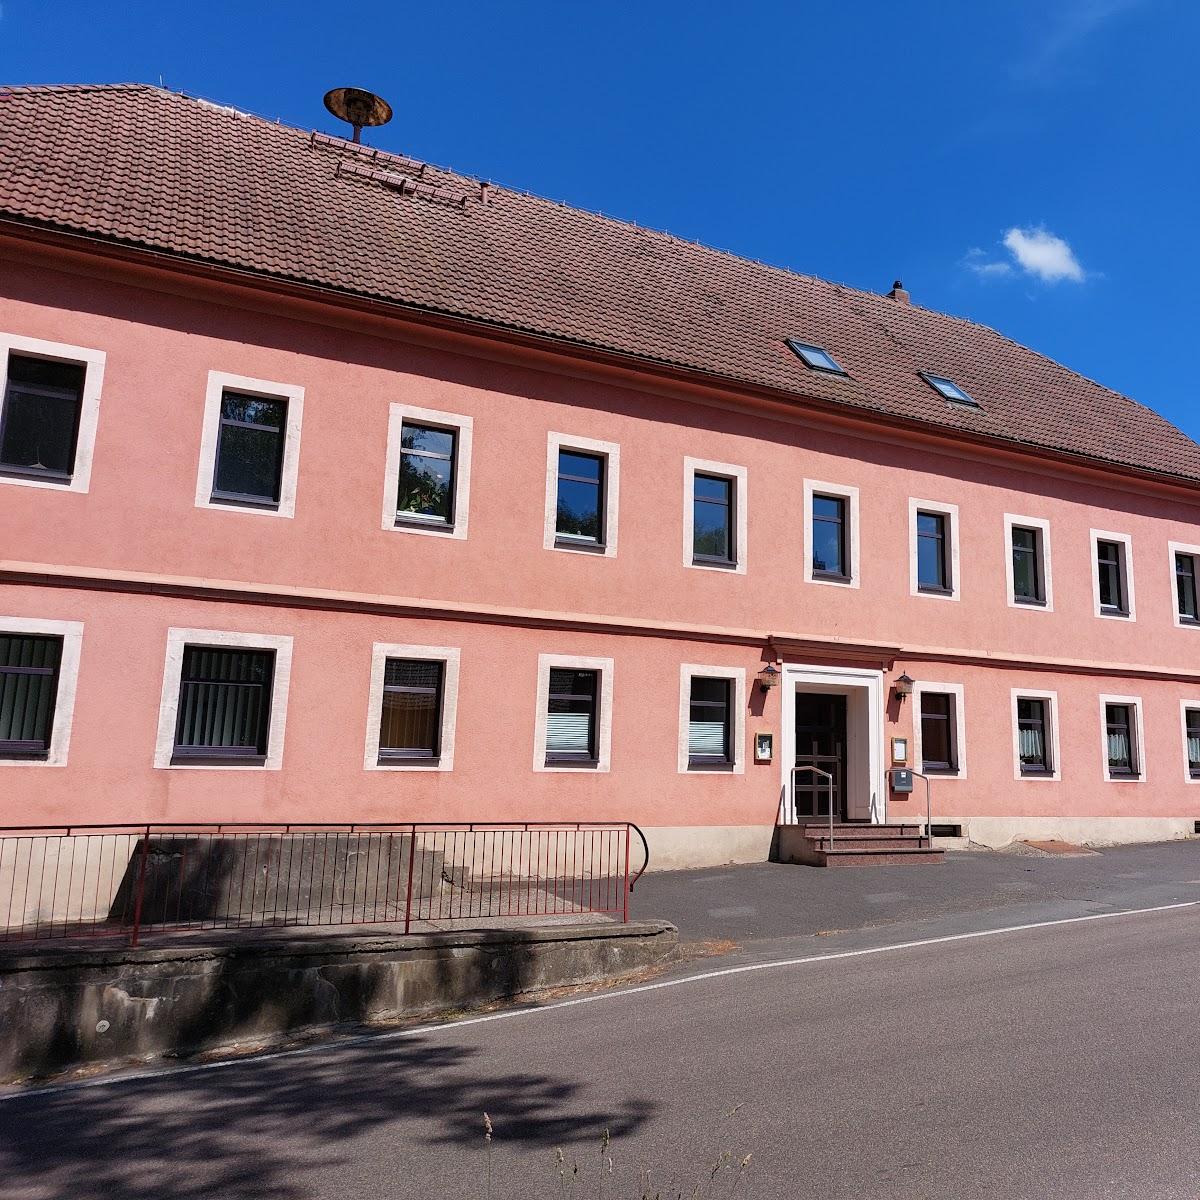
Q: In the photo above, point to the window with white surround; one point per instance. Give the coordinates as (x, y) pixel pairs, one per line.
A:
(573, 722)
(583, 488)
(427, 480)
(714, 516)
(939, 729)
(1122, 739)
(1027, 562)
(933, 549)
(412, 708)
(1035, 734)
(224, 700)
(1112, 574)
(250, 445)
(39, 669)
(831, 537)
(1189, 714)
(49, 409)
(712, 719)
(1185, 583)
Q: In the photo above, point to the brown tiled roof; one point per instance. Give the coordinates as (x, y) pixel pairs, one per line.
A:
(147, 167)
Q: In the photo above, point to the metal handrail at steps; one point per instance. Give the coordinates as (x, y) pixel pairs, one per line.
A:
(829, 785)
(124, 880)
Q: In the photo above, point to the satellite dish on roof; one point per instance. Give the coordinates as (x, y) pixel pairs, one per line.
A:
(358, 108)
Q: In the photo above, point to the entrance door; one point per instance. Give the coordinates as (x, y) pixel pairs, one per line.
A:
(820, 742)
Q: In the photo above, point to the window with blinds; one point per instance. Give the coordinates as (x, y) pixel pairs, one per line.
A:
(1122, 752)
(39, 420)
(1193, 742)
(709, 740)
(28, 687)
(571, 716)
(410, 721)
(1032, 730)
(224, 704)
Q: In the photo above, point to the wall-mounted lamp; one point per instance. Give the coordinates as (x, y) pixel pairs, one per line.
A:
(768, 677)
(903, 687)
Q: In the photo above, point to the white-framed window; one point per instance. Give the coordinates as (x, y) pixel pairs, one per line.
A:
(1036, 753)
(49, 409)
(1185, 584)
(1189, 721)
(714, 515)
(427, 481)
(712, 719)
(933, 559)
(39, 672)
(1027, 563)
(940, 729)
(1112, 575)
(583, 493)
(250, 445)
(224, 700)
(1122, 739)
(831, 537)
(573, 722)
(412, 708)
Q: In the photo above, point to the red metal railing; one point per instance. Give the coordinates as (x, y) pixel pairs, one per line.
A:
(126, 880)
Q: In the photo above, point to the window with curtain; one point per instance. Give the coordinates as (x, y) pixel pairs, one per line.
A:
(571, 716)
(710, 740)
(712, 519)
(250, 439)
(425, 493)
(410, 719)
(1028, 580)
(1185, 587)
(1032, 735)
(580, 498)
(224, 703)
(28, 688)
(933, 570)
(1122, 753)
(829, 537)
(1110, 568)
(1193, 742)
(938, 749)
(39, 422)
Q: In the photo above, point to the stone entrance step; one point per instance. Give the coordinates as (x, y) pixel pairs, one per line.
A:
(855, 845)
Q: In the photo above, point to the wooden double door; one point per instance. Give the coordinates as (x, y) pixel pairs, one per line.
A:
(820, 742)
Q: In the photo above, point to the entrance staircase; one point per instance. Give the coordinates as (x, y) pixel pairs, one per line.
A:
(855, 845)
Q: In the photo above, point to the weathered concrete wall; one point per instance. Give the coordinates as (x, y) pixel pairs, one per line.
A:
(62, 1007)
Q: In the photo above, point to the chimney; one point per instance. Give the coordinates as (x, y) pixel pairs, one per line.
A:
(899, 294)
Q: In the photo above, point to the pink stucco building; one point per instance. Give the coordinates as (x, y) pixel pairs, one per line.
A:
(336, 486)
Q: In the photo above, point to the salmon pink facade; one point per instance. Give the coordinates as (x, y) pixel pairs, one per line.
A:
(1009, 619)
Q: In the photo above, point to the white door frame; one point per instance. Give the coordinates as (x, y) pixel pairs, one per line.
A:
(847, 681)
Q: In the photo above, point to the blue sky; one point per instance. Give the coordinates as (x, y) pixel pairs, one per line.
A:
(1030, 164)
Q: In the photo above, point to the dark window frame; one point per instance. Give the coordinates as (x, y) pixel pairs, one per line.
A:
(250, 499)
(1132, 768)
(23, 470)
(1117, 569)
(1036, 553)
(1191, 729)
(33, 749)
(964, 398)
(844, 534)
(570, 758)
(390, 754)
(1186, 579)
(945, 586)
(731, 484)
(419, 520)
(1042, 723)
(575, 541)
(712, 761)
(256, 755)
(798, 348)
(950, 765)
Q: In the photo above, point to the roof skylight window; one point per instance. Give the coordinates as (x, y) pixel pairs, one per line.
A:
(815, 357)
(948, 388)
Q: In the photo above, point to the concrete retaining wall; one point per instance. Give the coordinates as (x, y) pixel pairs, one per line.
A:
(63, 1007)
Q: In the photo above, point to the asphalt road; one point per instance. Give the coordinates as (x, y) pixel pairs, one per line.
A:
(1057, 1061)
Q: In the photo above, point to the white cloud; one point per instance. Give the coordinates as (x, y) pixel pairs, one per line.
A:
(977, 260)
(1040, 252)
